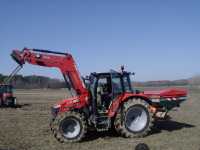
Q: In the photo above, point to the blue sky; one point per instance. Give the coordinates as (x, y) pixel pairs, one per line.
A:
(156, 39)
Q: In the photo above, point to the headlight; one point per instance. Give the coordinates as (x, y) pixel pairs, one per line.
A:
(56, 106)
(76, 101)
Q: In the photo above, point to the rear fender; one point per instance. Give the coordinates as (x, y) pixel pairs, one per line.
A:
(115, 105)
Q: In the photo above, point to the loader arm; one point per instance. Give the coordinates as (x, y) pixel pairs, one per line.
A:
(63, 61)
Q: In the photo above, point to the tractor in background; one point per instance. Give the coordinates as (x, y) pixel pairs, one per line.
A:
(6, 96)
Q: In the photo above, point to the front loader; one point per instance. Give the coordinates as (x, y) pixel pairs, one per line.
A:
(101, 101)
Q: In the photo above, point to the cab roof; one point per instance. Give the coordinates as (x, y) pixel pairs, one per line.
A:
(109, 73)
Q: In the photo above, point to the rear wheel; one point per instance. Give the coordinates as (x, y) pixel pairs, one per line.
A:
(134, 120)
(69, 127)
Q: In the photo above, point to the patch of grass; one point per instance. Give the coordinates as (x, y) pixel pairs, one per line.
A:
(27, 127)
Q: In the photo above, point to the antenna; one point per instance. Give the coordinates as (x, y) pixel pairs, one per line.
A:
(122, 68)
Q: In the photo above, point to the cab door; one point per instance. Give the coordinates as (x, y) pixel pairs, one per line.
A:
(116, 80)
(117, 92)
(103, 92)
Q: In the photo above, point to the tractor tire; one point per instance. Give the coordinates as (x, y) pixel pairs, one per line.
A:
(134, 119)
(1, 103)
(13, 102)
(69, 127)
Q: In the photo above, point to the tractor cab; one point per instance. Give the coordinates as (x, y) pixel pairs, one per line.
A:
(5, 88)
(105, 87)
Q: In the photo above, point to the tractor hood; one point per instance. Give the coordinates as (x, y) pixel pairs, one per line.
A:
(170, 92)
(69, 101)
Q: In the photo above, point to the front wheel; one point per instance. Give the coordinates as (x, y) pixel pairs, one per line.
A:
(135, 120)
(69, 127)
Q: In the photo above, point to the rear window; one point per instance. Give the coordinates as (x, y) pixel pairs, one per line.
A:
(1, 89)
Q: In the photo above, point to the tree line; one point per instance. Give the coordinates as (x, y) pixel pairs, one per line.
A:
(181, 82)
(35, 82)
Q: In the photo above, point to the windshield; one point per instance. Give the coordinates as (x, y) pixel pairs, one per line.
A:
(1, 89)
(127, 83)
(121, 82)
(117, 85)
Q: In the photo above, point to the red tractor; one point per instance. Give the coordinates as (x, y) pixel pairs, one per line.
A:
(102, 100)
(6, 90)
(6, 96)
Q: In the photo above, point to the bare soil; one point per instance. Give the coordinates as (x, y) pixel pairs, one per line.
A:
(27, 127)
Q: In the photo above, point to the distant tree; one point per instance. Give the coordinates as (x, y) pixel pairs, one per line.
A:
(2, 78)
(33, 81)
(195, 80)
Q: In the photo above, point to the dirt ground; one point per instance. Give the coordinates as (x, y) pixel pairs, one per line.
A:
(27, 127)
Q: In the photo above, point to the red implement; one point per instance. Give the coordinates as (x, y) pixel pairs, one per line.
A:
(167, 93)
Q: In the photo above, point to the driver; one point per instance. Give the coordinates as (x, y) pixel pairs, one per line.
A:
(106, 95)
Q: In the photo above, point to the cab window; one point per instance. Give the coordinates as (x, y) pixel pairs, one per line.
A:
(117, 85)
(127, 84)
